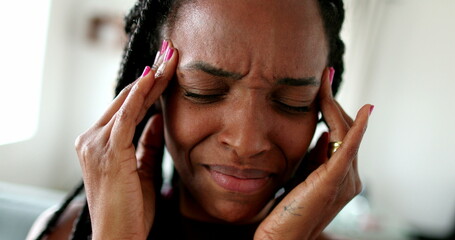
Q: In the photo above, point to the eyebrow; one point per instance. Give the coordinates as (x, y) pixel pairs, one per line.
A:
(219, 72)
(212, 70)
(306, 81)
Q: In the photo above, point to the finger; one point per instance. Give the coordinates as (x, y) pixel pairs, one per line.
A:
(332, 115)
(346, 117)
(150, 148)
(125, 119)
(312, 162)
(146, 91)
(350, 122)
(115, 105)
(167, 64)
(164, 73)
(340, 162)
(149, 157)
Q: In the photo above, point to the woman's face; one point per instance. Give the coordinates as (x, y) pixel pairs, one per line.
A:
(242, 109)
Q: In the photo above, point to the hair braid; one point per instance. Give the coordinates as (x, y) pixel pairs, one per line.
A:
(332, 12)
(82, 229)
(135, 52)
(143, 26)
(51, 223)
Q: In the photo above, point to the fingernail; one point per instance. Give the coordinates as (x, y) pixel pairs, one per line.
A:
(157, 57)
(167, 57)
(331, 75)
(164, 46)
(371, 109)
(160, 70)
(145, 72)
(169, 53)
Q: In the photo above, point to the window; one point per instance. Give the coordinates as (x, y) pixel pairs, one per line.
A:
(22, 47)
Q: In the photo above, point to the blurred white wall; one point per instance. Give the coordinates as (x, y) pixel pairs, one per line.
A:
(400, 58)
(406, 160)
(77, 86)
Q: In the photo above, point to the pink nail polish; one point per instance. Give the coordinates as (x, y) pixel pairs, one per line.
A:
(169, 53)
(371, 109)
(164, 46)
(145, 72)
(331, 75)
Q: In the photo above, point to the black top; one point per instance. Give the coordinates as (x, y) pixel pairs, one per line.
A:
(170, 224)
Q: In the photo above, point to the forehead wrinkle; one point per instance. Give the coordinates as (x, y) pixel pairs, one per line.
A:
(212, 70)
(234, 50)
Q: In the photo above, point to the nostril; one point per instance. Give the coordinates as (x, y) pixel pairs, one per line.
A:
(246, 132)
(245, 146)
(258, 154)
(226, 145)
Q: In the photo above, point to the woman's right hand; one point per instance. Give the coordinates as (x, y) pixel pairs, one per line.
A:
(119, 179)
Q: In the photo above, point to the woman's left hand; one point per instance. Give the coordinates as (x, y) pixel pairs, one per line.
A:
(311, 205)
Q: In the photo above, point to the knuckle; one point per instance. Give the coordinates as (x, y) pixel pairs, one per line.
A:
(122, 114)
(351, 192)
(358, 186)
(96, 160)
(87, 147)
(79, 142)
(98, 157)
(85, 152)
(268, 234)
(126, 89)
(349, 195)
(82, 139)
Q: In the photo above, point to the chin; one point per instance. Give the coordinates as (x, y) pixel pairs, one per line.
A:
(238, 211)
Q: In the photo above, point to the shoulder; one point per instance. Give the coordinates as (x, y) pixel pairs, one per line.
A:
(64, 226)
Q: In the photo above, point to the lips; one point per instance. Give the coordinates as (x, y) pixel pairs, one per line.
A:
(239, 180)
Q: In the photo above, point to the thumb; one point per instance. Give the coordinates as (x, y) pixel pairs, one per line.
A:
(316, 157)
(149, 157)
(319, 153)
(149, 152)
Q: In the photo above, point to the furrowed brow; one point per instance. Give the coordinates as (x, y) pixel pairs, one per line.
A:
(212, 70)
(306, 81)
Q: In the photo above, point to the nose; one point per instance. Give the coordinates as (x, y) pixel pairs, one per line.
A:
(246, 129)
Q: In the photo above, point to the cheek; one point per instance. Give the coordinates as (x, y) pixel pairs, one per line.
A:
(294, 139)
(185, 127)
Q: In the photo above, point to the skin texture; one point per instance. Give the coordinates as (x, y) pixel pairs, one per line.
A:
(246, 127)
(249, 127)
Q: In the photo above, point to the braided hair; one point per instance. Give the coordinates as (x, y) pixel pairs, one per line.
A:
(144, 26)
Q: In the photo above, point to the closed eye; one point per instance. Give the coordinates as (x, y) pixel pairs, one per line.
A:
(292, 109)
(204, 98)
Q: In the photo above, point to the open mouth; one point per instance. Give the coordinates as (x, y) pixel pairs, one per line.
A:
(238, 180)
